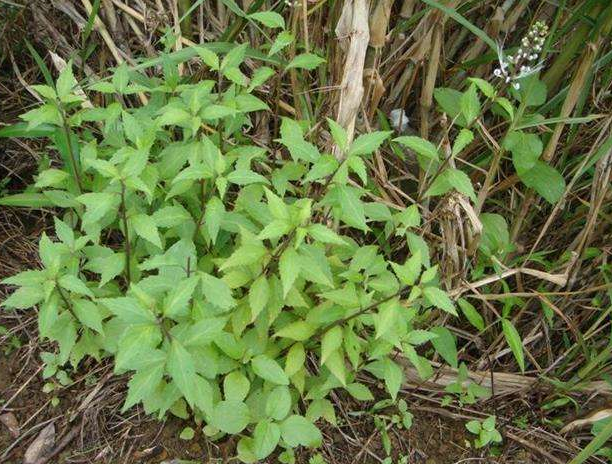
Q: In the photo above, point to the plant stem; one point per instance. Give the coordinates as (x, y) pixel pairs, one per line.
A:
(66, 131)
(126, 235)
(66, 300)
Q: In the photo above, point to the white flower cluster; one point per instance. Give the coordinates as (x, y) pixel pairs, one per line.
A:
(514, 67)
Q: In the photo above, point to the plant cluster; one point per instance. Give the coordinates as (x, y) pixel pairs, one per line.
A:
(235, 287)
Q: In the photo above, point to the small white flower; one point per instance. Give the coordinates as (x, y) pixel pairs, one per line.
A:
(516, 85)
(497, 72)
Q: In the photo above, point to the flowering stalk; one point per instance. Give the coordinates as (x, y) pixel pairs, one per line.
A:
(515, 67)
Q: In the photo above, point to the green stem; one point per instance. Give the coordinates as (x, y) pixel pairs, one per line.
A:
(126, 235)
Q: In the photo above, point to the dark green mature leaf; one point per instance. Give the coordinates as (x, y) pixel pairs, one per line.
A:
(545, 180)
(26, 200)
(514, 341)
(526, 150)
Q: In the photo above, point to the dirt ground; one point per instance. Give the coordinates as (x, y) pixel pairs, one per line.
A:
(89, 428)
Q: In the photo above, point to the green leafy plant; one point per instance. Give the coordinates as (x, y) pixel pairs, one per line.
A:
(238, 287)
(485, 431)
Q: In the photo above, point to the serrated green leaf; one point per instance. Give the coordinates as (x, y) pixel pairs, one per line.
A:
(307, 61)
(269, 19)
(259, 293)
(268, 369)
(146, 227)
(366, 144)
(439, 299)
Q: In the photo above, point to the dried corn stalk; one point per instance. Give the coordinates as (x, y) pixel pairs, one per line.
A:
(353, 24)
(379, 23)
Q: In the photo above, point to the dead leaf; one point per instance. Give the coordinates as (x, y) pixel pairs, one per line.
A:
(11, 423)
(41, 446)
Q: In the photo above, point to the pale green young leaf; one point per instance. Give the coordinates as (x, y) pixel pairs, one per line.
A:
(269, 18)
(213, 217)
(259, 77)
(88, 314)
(445, 345)
(277, 206)
(330, 342)
(472, 315)
(394, 377)
(146, 227)
(470, 104)
(209, 58)
(360, 392)
(439, 299)
(65, 82)
(336, 365)
(231, 416)
(352, 210)
(298, 330)
(289, 268)
(244, 177)
(24, 298)
(368, 143)
(386, 317)
(282, 40)
(268, 369)
(545, 180)
(409, 272)
(217, 291)
(236, 386)
(485, 87)
(75, 285)
(464, 138)
(234, 58)
(51, 178)
(97, 205)
(259, 293)
(143, 384)
(296, 356)
(204, 331)
(526, 149)
(278, 403)
(419, 146)
(246, 254)
(181, 367)
(307, 61)
(297, 430)
(265, 438)
(338, 134)
(129, 310)
(324, 234)
(177, 301)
